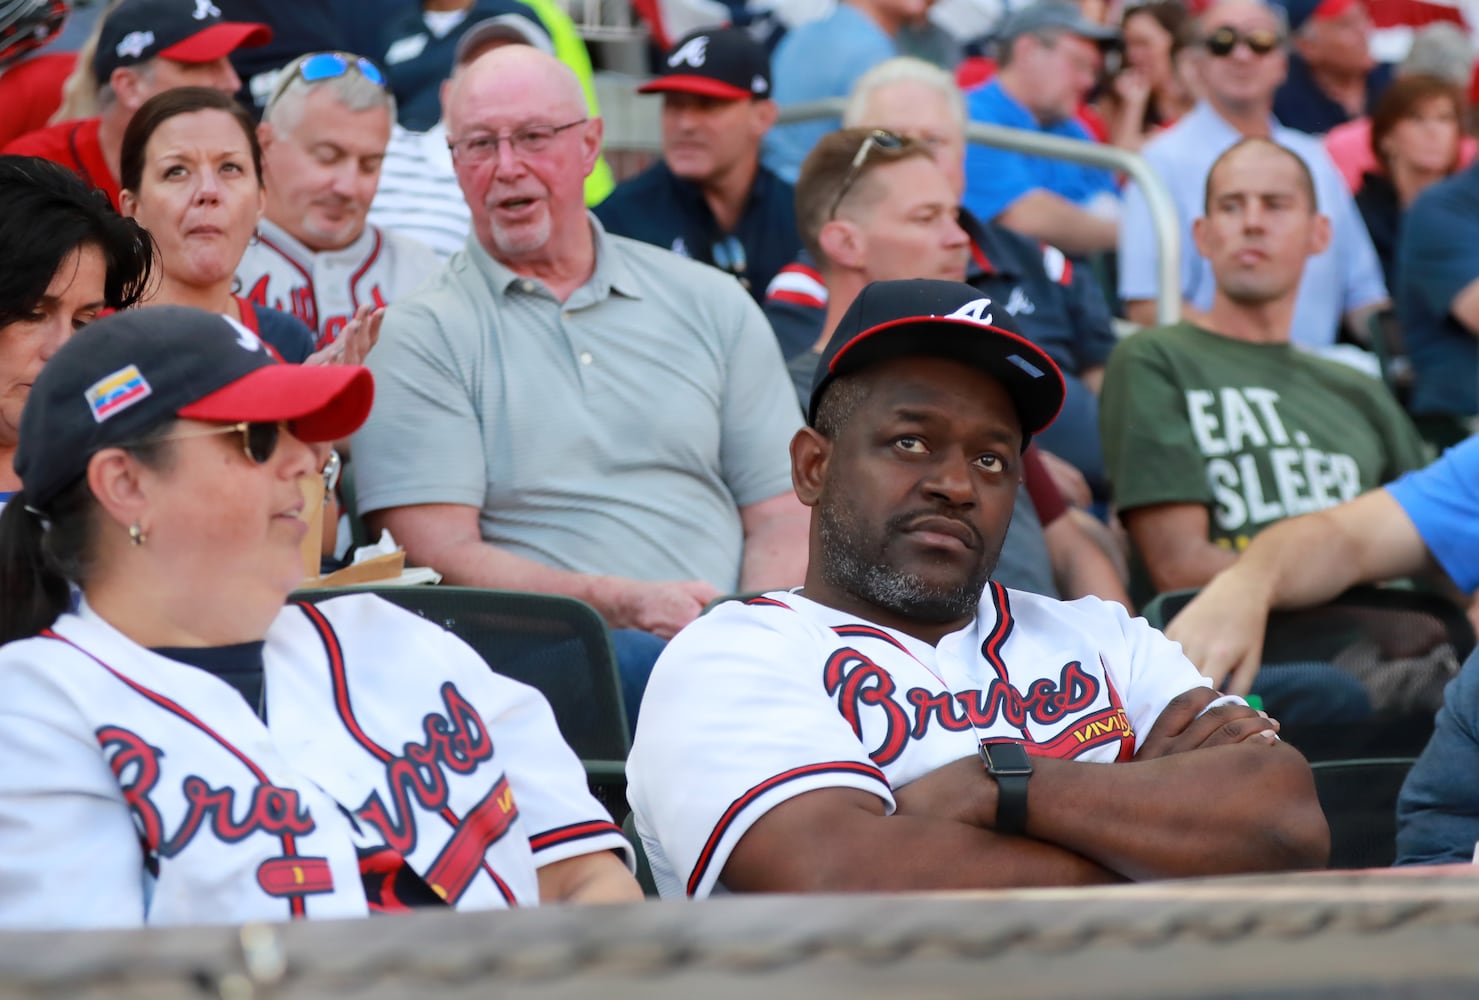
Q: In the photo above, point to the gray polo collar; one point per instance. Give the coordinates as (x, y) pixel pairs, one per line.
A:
(612, 274)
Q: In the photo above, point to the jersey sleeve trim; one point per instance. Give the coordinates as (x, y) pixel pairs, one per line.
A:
(574, 831)
(739, 805)
(578, 839)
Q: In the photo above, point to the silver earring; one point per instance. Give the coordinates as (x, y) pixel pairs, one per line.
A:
(136, 535)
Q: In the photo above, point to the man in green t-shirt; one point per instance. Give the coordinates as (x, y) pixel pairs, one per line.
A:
(1216, 431)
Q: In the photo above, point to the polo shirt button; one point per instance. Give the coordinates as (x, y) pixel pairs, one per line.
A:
(585, 357)
(527, 285)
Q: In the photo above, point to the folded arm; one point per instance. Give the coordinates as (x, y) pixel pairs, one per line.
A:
(1210, 794)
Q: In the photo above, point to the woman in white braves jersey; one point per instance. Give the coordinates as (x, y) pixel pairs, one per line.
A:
(183, 747)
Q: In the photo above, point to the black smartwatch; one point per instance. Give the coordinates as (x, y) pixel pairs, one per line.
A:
(1009, 764)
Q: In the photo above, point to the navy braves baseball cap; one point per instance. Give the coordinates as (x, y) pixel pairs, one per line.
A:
(722, 62)
(187, 31)
(130, 372)
(948, 319)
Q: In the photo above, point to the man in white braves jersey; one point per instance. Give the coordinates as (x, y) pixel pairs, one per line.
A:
(833, 738)
(324, 133)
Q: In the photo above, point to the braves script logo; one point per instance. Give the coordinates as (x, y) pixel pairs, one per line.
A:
(305, 308)
(204, 10)
(859, 684)
(457, 742)
(269, 809)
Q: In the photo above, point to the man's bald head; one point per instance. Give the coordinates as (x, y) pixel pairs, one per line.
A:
(516, 74)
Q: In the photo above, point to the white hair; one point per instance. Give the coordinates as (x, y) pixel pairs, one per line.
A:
(902, 69)
(352, 89)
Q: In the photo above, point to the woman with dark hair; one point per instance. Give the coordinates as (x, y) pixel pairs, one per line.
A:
(191, 173)
(65, 256)
(1416, 131)
(185, 746)
(1147, 92)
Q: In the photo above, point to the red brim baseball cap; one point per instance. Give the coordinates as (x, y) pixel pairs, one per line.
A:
(922, 317)
(130, 372)
(218, 41)
(323, 402)
(704, 86)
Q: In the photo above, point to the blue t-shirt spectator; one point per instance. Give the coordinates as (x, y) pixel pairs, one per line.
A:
(1438, 810)
(817, 60)
(665, 210)
(1437, 258)
(994, 178)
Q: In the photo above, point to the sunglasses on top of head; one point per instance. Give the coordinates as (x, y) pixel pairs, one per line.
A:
(1260, 41)
(328, 66)
(877, 139)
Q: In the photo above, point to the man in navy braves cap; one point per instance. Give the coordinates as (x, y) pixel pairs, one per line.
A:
(709, 198)
(902, 722)
(145, 47)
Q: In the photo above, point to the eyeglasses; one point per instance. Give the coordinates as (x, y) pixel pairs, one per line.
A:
(527, 141)
(880, 138)
(1260, 41)
(258, 439)
(328, 66)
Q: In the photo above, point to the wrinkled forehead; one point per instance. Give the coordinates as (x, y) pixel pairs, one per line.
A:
(502, 97)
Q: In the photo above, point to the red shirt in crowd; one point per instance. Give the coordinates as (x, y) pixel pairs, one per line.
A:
(74, 145)
(30, 93)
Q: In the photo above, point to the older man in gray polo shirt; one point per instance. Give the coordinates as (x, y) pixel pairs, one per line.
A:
(565, 411)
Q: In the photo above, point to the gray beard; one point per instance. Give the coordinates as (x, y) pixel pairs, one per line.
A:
(845, 567)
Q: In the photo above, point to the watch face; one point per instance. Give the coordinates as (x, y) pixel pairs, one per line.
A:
(1006, 758)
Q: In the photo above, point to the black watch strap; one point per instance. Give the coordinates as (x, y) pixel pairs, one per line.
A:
(1007, 762)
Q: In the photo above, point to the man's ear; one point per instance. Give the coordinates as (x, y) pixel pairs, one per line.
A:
(843, 243)
(764, 114)
(128, 87)
(595, 129)
(810, 453)
(1199, 234)
(1319, 234)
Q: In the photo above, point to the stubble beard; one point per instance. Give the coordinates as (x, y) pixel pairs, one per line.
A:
(856, 564)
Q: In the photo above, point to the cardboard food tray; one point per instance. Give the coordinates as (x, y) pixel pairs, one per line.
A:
(386, 567)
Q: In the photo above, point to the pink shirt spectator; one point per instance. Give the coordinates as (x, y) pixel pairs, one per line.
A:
(1349, 145)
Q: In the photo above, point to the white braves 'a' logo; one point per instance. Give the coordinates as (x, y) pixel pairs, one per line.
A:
(693, 52)
(205, 9)
(246, 338)
(974, 311)
(134, 43)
